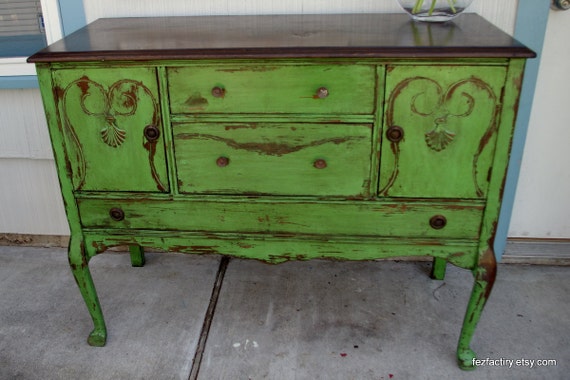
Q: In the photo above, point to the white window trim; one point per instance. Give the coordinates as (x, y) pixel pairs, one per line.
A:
(16, 66)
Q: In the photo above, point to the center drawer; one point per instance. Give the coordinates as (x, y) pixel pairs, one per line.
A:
(315, 89)
(274, 158)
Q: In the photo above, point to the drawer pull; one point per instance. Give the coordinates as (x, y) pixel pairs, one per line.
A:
(218, 92)
(151, 132)
(395, 133)
(117, 214)
(437, 222)
(320, 164)
(322, 92)
(222, 162)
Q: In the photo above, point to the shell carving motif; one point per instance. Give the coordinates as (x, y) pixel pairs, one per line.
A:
(113, 135)
(438, 138)
(120, 99)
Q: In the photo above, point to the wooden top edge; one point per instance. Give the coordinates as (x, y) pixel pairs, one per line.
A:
(283, 36)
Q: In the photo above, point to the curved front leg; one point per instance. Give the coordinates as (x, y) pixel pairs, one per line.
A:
(78, 260)
(485, 274)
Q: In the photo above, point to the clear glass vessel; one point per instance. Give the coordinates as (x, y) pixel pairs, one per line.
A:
(434, 10)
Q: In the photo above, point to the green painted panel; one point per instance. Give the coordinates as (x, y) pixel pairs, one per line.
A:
(276, 249)
(104, 114)
(358, 218)
(449, 116)
(267, 88)
(274, 158)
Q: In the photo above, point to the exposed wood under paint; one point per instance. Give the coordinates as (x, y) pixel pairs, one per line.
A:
(518, 251)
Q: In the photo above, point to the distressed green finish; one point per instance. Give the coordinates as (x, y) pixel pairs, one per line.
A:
(137, 255)
(450, 116)
(263, 87)
(103, 115)
(274, 158)
(486, 269)
(345, 156)
(373, 218)
(278, 248)
(438, 268)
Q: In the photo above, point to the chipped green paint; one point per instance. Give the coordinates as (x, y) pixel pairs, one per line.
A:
(286, 172)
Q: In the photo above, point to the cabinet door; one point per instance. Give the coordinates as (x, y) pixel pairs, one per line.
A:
(439, 131)
(112, 128)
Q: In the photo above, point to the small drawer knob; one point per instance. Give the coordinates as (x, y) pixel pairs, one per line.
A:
(320, 164)
(151, 132)
(322, 92)
(437, 222)
(117, 214)
(218, 92)
(395, 133)
(222, 162)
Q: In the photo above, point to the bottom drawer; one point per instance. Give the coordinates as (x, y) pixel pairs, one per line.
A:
(358, 218)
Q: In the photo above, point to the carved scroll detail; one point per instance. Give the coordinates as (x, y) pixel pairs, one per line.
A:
(442, 106)
(120, 99)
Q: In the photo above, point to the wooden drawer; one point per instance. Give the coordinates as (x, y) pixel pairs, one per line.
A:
(273, 158)
(242, 215)
(346, 89)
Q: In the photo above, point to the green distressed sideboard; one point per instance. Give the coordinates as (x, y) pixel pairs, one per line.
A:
(349, 137)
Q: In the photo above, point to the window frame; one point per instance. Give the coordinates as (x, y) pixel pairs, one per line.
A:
(61, 17)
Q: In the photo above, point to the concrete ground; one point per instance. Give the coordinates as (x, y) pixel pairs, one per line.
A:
(298, 320)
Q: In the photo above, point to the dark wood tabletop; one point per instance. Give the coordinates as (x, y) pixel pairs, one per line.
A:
(283, 36)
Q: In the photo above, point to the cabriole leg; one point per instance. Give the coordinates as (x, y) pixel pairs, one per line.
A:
(78, 260)
(137, 255)
(438, 268)
(485, 274)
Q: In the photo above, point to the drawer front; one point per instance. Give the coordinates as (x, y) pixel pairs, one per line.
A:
(341, 218)
(318, 89)
(273, 158)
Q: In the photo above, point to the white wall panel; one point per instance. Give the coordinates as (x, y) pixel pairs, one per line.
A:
(500, 13)
(30, 201)
(542, 202)
(23, 129)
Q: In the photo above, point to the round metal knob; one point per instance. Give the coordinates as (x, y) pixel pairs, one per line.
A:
(116, 214)
(322, 92)
(437, 222)
(395, 133)
(218, 92)
(222, 162)
(151, 132)
(560, 5)
(320, 164)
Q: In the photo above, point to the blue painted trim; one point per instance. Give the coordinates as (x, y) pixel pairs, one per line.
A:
(23, 81)
(530, 29)
(73, 17)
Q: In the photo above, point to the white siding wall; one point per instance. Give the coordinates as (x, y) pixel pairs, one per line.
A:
(542, 202)
(29, 198)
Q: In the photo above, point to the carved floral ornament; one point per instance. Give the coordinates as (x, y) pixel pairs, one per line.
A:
(108, 106)
(439, 107)
(442, 105)
(120, 99)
